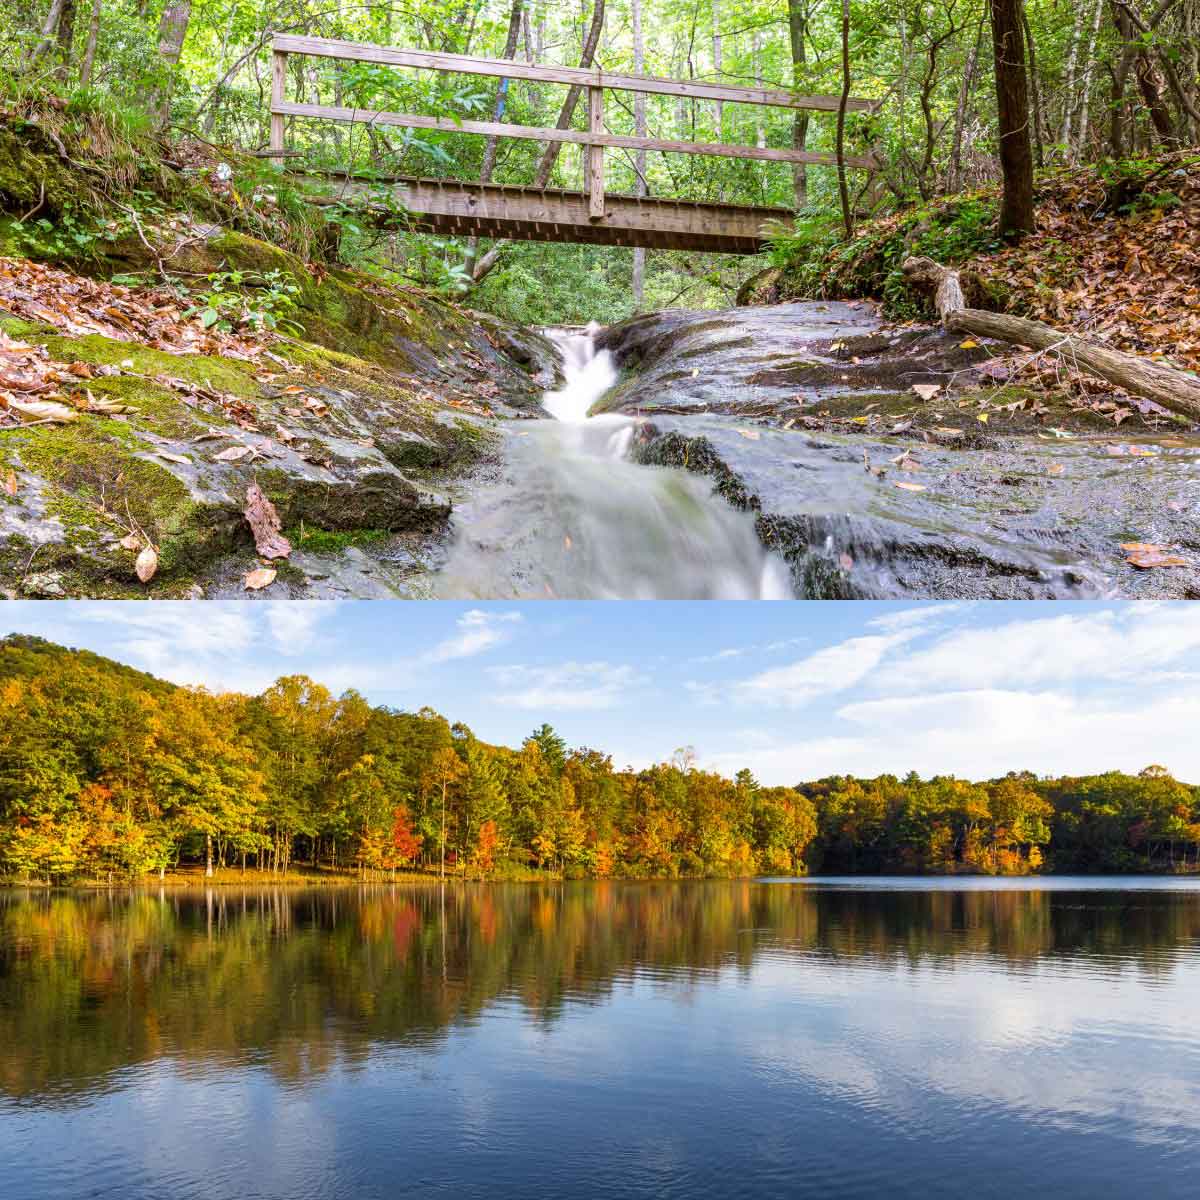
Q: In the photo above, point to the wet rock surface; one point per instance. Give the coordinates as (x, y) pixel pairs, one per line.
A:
(804, 414)
(358, 431)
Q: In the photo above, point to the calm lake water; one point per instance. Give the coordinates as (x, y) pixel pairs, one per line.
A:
(833, 1038)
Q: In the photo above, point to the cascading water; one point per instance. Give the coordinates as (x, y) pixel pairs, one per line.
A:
(572, 517)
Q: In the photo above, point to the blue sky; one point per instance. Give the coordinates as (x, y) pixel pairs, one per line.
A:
(793, 690)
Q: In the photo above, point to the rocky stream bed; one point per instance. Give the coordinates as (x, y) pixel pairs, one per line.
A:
(763, 451)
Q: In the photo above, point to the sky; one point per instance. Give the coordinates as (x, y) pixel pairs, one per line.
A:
(792, 690)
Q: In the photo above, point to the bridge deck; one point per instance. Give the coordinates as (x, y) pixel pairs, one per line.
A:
(467, 209)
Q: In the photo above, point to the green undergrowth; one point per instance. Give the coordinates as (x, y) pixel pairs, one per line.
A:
(1075, 203)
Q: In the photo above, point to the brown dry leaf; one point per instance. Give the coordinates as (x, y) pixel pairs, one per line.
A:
(146, 564)
(43, 410)
(927, 391)
(752, 434)
(103, 405)
(131, 541)
(265, 524)
(909, 487)
(1055, 469)
(232, 454)
(292, 390)
(1154, 557)
(1140, 452)
(259, 578)
(175, 458)
(81, 370)
(10, 483)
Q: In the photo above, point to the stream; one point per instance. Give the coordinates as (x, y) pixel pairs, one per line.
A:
(569, 514)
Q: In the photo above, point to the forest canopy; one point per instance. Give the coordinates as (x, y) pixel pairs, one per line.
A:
(1104, 79)
(109, 774)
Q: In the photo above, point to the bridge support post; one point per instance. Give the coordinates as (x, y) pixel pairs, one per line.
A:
(278, 86)
(595, 155)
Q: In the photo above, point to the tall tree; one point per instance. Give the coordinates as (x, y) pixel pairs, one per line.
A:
(798, 19)
(1012, 102)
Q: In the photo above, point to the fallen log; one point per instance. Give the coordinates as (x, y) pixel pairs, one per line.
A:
(1167, 386)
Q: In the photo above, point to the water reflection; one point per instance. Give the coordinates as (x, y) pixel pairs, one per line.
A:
(894, 1028)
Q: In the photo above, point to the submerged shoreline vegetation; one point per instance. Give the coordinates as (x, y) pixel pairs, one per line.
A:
(110, 775)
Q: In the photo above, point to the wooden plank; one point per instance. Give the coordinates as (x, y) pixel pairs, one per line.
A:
(278, 92)
(467, 64)
(497, 210)
(331, 112)
(595, 172)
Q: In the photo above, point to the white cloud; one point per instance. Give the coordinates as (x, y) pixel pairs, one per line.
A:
(566, 686)
(477, 631)
(832, 669)
(1112, 644)
(294, 625)
(984, 733)
(916, 615)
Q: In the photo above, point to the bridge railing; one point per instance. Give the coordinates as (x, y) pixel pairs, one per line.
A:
(595, 80)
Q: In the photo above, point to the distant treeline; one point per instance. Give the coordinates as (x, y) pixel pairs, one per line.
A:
(108, 773)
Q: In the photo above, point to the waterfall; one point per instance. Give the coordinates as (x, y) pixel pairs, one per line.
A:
(571, 516)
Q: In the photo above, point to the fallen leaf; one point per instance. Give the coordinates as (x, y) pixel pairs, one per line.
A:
(982, 418)
(752, 434)
(927, 391)
(10, 483)
(1154, 557)
(259, 578)
(845, 561)
(175, 458)
(131, 541)
(910, 487)
(1055, 469)
(969, 344)
(146, 564)
(265, 524)
(43, 410)
(232, 454)
(112, 407)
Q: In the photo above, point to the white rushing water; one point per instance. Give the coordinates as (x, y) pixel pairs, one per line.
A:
(572, 517)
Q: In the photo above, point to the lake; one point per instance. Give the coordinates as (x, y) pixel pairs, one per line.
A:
(840, 1038)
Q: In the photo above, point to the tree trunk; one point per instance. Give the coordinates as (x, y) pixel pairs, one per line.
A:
(1164, 385)
(718, 64)
(1035, 111)
(550, 154)
(843, 189)
(66, 40)
(1089, 68)
(798, 34)
(490, 149)
(954, 181)
(172, 32)
(1012, 101)
(89, 54)
(208, 867)
(638, 280)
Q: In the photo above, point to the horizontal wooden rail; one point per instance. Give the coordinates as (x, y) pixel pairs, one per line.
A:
(488, 213)
(581, 76)
(577, 137)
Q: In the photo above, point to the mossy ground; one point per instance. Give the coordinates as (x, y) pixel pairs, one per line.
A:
(386, 382)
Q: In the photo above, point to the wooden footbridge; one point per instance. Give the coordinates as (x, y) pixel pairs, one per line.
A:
(457, 207)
